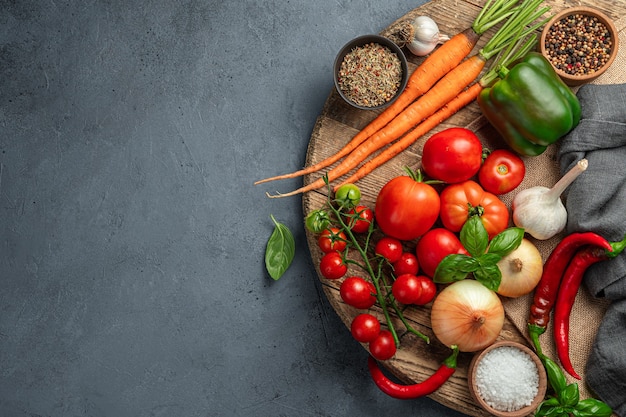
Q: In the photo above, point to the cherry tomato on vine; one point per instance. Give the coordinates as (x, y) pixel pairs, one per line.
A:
(383, 347)
(452, 155)
(357, 292)
(360, 218)
(429, 290)
(317, 221)
(406, 207)
(407, 264)
(501, 172)
(407, 289)
(332, 266)
(332, 239)
(389, 248)
(365, 328)
(465, 199)
(435, 245)
(348, 196)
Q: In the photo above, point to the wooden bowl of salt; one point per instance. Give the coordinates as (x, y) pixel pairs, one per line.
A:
(507, 379)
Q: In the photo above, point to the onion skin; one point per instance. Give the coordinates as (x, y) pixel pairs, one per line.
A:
(521, 270)
(467, 314)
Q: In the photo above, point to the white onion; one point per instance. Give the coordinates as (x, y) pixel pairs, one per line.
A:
(467, 314)
(521, 270)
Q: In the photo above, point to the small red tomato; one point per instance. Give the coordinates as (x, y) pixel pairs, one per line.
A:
(331, 240)
(501, 172)
(452, 155)
(407, 264)
(383, 347)
(332, 266)
(357, 292)
(407, 289)
(429, 290)
(360, 218)
(435, 245)
(389, 248)
(365, 328)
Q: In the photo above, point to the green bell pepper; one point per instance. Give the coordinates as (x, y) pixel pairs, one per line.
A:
(530, 106)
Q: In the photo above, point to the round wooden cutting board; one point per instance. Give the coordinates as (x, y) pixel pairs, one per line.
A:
(338, 123)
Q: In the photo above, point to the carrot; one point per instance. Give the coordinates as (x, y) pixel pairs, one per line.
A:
(437, 97)
(444, 91)
(456, 104)
(432, 69)
(520, 48)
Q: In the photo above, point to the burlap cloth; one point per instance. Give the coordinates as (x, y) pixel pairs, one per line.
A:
(587, 311)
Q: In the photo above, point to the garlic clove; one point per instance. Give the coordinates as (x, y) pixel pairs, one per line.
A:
(426, 36)
(540, 211)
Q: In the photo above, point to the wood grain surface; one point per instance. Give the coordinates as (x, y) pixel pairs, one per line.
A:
(338, 123)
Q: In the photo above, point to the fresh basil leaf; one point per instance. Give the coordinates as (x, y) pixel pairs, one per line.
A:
(547, 407)
(474, 236)
(453, 268)
(280, 250)
(592, 407)
(556, 377)
(506, 241)
(489, 275)
(569, 396)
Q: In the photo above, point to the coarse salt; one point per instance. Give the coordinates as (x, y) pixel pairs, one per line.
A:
(507, 378)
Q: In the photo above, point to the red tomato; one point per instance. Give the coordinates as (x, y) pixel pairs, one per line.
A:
(459, 201)
(332, 266)
(435, 245)
(407, 289)
(383, 347)
(357, 292)
(406, 207)
(359, 219)
(501, 172)
(429, 290)
(452, 155)
(331, 240)
(365, 328)
(389, 248)
(407, 264)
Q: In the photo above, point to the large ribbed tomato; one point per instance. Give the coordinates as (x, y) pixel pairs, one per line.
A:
(465, 199)
(406, 207)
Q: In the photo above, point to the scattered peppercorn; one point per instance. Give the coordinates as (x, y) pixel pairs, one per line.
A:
(578, 44)
(370, 75)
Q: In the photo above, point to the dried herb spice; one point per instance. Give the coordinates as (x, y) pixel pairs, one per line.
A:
(370, 75)
(578, 44)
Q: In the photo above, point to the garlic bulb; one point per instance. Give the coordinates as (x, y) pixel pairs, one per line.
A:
(426, 36)
(540, 211)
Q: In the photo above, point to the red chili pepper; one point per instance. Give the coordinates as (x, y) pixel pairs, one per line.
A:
(548, 286)
(572, 278)
(408, 392)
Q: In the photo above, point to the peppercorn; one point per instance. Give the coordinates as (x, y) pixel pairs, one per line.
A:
(578, 44)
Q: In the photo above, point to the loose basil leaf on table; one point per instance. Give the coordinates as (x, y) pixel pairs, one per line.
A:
(280, 250)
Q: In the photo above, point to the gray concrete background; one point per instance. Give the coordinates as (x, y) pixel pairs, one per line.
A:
(132, 280)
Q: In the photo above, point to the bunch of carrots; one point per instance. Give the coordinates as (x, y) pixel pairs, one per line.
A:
(445, 82)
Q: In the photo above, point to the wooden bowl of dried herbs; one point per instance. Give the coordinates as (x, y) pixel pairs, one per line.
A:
(370, 72)
(580, 43)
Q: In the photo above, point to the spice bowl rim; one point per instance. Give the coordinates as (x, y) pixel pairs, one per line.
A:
(542, 388)
(576, 80)
(363, 40)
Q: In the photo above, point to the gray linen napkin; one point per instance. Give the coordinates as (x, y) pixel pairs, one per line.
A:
(596, 201)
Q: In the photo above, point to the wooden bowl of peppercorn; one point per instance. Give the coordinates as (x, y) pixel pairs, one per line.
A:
(580, 43)
(370, 72)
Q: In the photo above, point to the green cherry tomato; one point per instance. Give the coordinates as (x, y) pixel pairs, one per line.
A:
(348, 196)
(317, 221)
